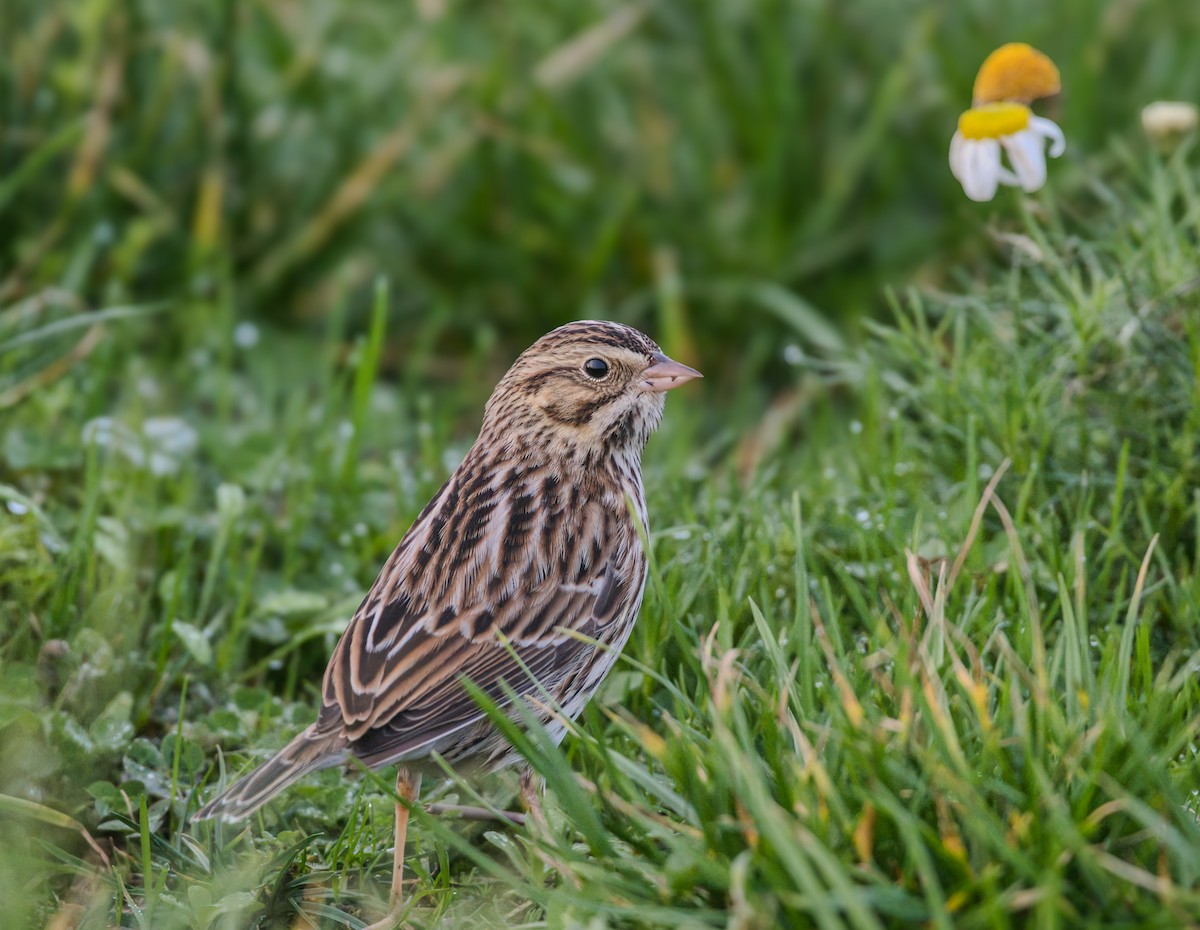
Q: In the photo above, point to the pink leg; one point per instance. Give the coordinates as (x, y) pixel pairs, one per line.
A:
(408, 787)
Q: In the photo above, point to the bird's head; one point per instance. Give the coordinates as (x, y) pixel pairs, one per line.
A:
(587, 387)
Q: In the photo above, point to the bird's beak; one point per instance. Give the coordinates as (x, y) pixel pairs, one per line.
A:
(665, 374)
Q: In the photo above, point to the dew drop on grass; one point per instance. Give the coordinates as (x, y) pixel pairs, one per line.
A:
(681, 533)
(270, 121)
(856, 427)
(245, 335)
(161, 464)
(163, 444)
(171, 435)
(863, 517)
(17, 508)
(793, 354)
(360, 529)
(171, 441)
(101, 431)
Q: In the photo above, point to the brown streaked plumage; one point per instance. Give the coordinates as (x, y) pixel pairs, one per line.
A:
(527, 553)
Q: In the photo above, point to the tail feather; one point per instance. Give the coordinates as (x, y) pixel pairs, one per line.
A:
(308, 752)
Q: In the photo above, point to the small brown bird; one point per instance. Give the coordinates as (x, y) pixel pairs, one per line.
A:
(525, 560)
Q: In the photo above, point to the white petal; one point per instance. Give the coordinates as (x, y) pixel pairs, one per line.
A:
(957, 144)
(1044, 127)
(1006, 176)
(1028, 159)
(979, 168)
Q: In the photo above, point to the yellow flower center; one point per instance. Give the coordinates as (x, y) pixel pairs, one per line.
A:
(1017, 72)
(993, 120)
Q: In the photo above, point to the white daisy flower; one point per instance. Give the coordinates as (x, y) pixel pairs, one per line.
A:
(984, 132)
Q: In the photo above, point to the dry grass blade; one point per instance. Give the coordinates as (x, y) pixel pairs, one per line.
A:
(573, 59)
(977, 521)
(54, 370)
(24, 808)
(355, 189)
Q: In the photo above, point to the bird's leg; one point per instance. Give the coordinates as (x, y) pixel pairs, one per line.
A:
(408, 788)
(532, 787)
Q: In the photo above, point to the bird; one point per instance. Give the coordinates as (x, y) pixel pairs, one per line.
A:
(523, 576)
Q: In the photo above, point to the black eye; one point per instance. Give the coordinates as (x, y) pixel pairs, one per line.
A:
(596, 368)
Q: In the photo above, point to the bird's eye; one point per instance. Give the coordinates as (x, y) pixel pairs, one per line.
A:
(595, 368)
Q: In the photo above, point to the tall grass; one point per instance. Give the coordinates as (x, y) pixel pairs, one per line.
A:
(920, 643)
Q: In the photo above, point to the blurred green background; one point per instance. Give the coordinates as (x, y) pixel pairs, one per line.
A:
(513, 166)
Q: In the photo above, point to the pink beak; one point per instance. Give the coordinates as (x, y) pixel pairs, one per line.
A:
(665, 374)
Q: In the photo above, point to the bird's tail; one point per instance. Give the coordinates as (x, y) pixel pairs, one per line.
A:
(308, 752)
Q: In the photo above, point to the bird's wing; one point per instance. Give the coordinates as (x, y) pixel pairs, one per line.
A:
(395, 681)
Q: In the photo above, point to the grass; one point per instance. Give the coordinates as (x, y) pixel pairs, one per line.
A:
(920, 642)
(933, 658)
